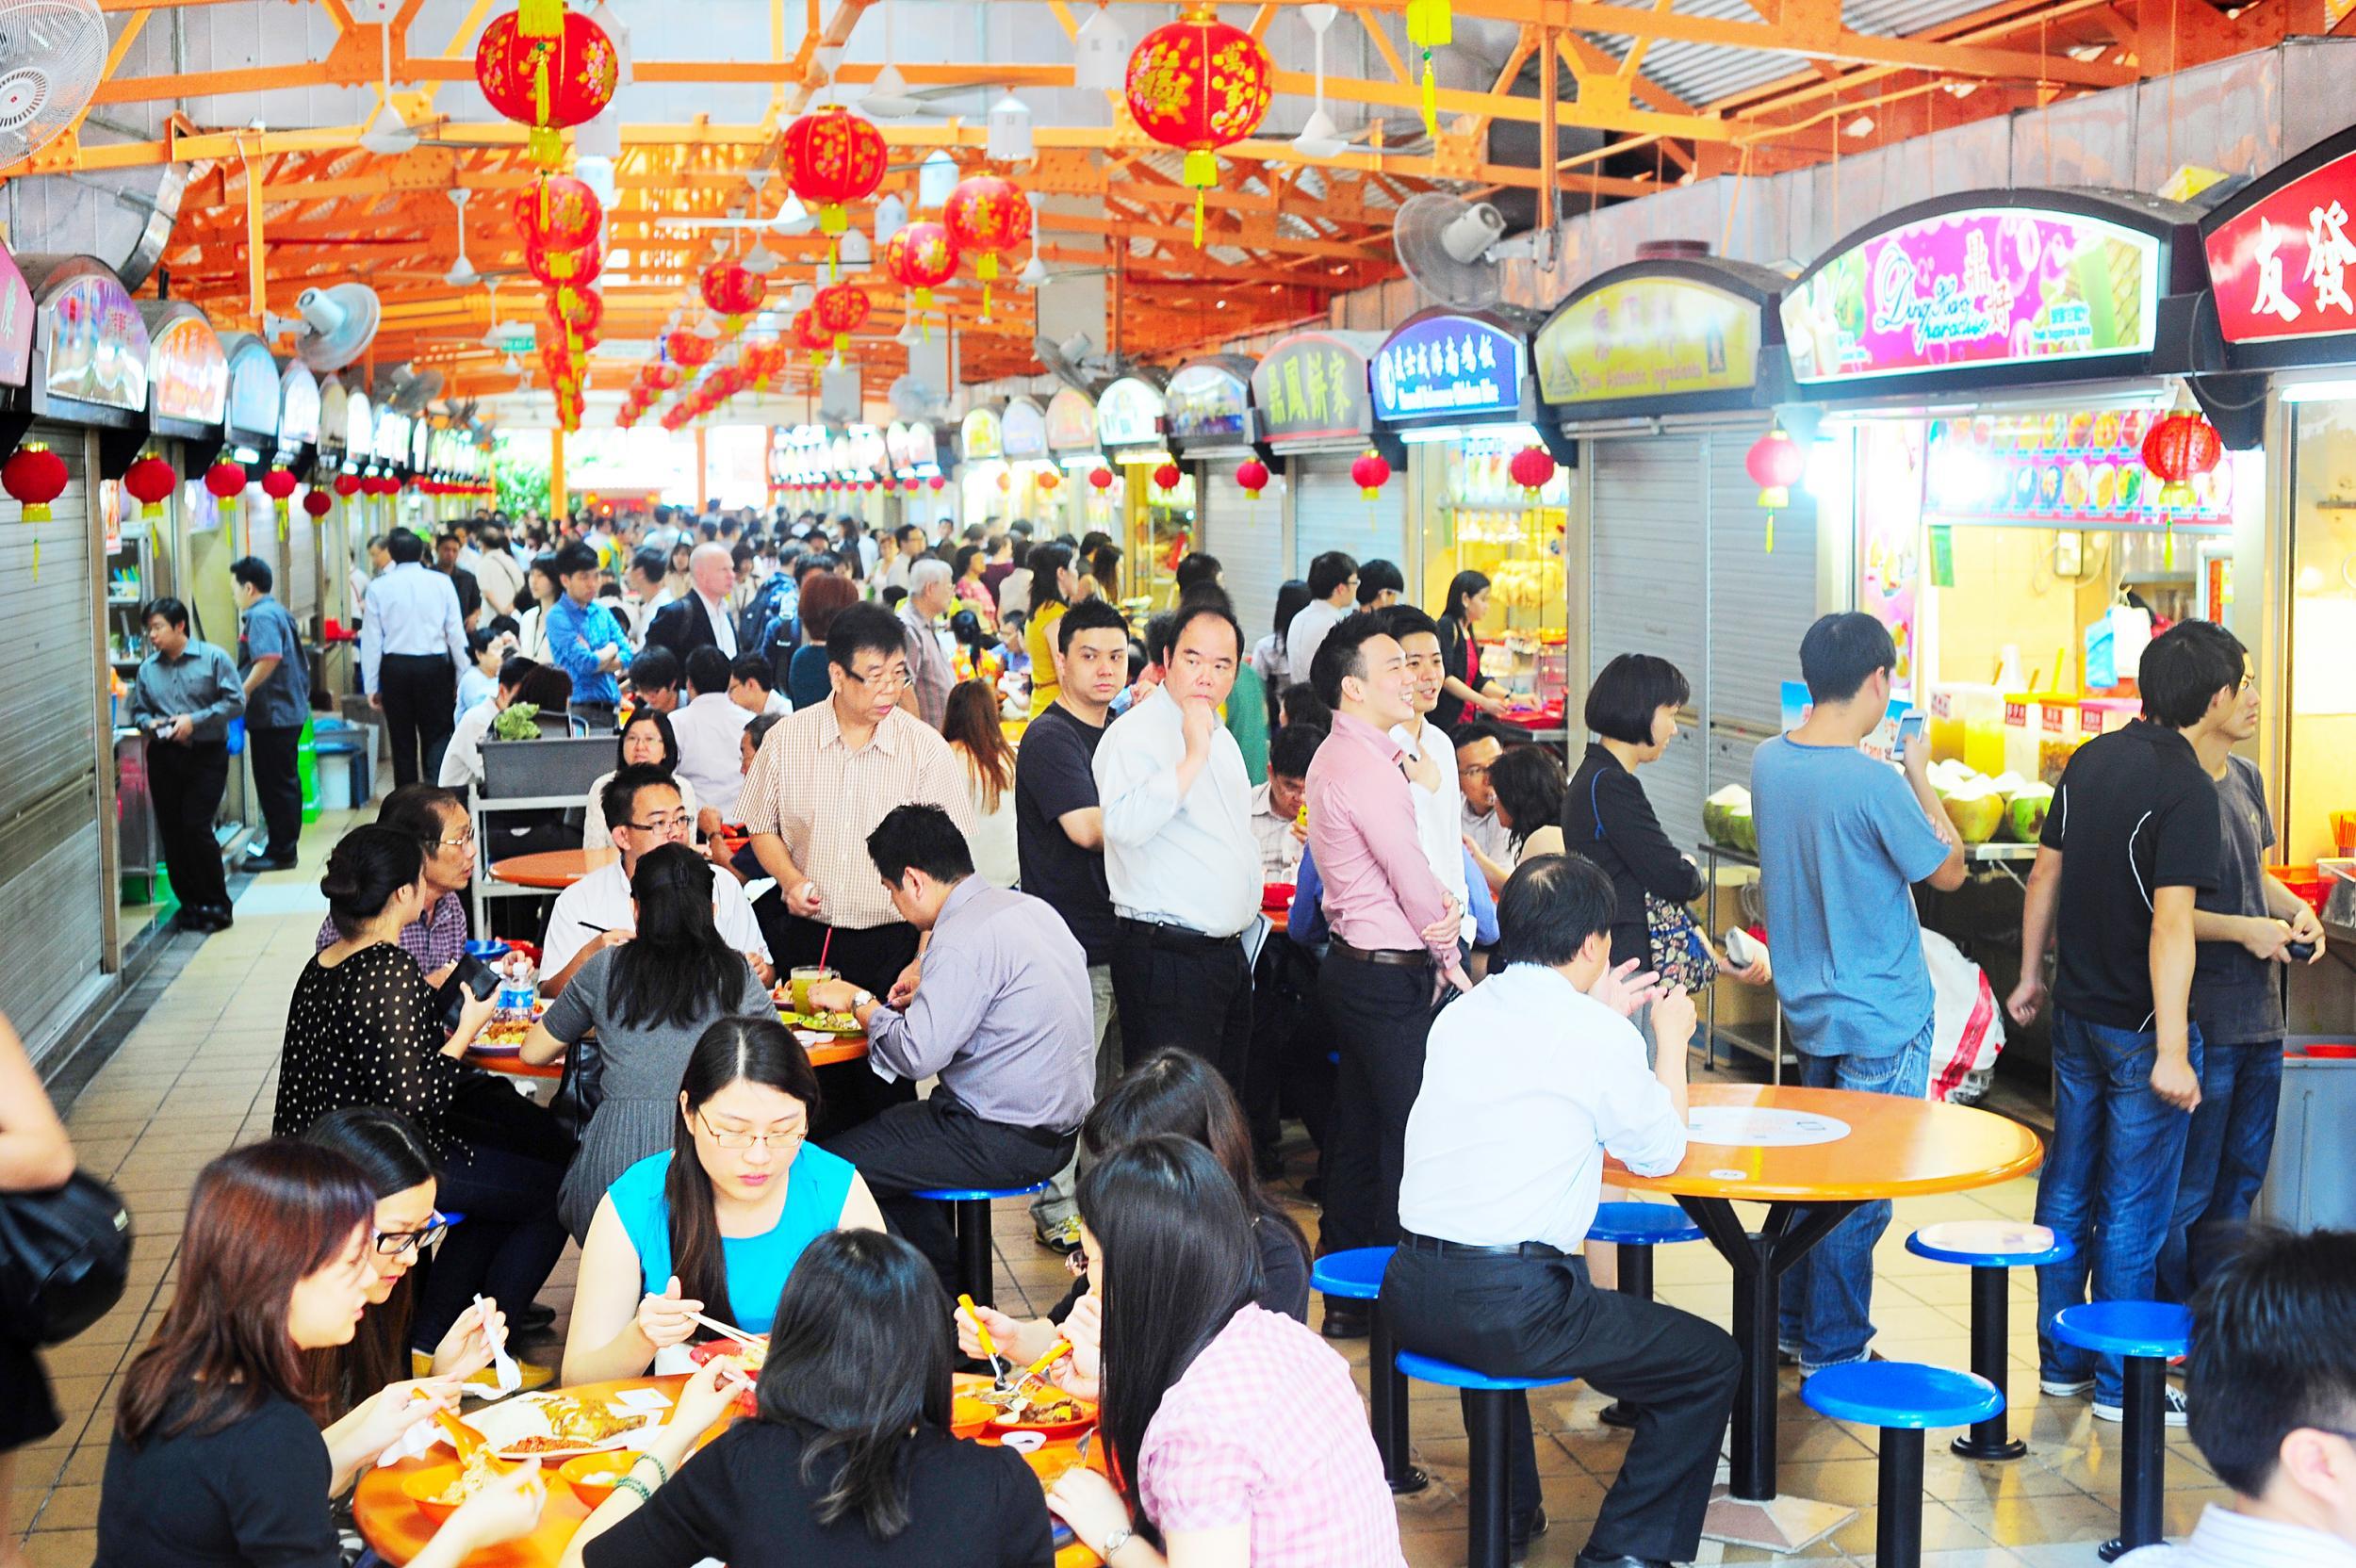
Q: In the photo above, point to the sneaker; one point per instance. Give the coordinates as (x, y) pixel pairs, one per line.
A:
(2178, 1411)
(1061, 1238)
(2065, 1388)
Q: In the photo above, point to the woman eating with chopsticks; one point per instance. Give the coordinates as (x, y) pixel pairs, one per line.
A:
(708, 1230)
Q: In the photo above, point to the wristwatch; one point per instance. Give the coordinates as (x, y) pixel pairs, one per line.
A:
(861, 999)
(1114, 1541)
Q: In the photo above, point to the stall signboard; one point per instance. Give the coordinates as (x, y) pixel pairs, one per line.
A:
(1206, 402)
(923, 448)
(896, 446)
(298, 407)
(252, 389)
(839, 460)
(392, 438)
(2075, 470)
(980, 436)
(359, 430)
(1312, 387)
(1441, 368)
(1129, 414)
(1648, 338)
(16, 323)
(421, 447)
(2282, 259)
(1023, 431)
(1071, 421)
(335, 409)
(96, 343)
(1975, 287)
(188, 374)
(868, 452)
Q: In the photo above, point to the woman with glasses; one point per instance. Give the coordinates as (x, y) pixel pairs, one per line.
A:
(364, 1028)
(648, 1001)
(647, 738)
(437, 819)
(712, 1227)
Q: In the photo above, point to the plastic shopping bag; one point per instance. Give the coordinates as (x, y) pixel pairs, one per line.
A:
(1968, 1028)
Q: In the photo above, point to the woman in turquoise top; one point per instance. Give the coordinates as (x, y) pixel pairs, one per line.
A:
(715, 1226)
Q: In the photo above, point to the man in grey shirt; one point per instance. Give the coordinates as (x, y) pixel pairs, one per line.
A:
(1000, 1014)
(183, 696)
(931, 675)
(277, 703)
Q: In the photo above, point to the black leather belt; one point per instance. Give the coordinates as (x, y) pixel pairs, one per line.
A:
(1433, 1245)
(1399, 957)
(1181, 939)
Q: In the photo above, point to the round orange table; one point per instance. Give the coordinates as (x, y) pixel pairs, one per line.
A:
(396, 1529)
(553, 868)
(512, 1065)
(1891, 1147)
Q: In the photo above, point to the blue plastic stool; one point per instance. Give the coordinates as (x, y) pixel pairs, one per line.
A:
(1636, 1229)
(1903, 1398)
(1356, 1275)
(972, 1210)
(2146, 1335)
(1990, 1249)
(1486, 1529)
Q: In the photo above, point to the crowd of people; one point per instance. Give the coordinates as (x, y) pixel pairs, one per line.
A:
(1482, 987)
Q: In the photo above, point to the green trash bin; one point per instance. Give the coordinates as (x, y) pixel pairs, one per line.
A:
(307, 770)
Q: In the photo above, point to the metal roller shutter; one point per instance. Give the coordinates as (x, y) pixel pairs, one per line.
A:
(1248, 536)
(1331, 514)
(1760, 602)
(50, 891)
(1648, 593)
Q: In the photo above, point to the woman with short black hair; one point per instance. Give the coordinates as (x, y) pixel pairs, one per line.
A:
(1528, 784)
(647, 738)
(1462, 686)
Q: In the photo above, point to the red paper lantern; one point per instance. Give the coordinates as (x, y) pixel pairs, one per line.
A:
(985, 215)
(348, 485)
(559, 213)
(317, 504)
(149, 481)
(225, 480)
(576, 310)
(730, 290)
(938, 480)
(547, 82)
(1167, 478)
(1198, 84)
(1371, 473)
(1251, 477)
(1532, 468)
(920, 257)
(2180, 447)
(834, 158)
(278, 484)
(689, 349)
(1100, 479)
(839, 309)
(554, 269)
(34, 475)
(1048, 479)
(809, 336)
(659, 377)
(1775, 463)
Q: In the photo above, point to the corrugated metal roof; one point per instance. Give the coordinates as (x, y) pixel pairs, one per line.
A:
(1703, 73)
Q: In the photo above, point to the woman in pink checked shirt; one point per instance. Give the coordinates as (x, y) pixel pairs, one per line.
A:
(1242, 1429)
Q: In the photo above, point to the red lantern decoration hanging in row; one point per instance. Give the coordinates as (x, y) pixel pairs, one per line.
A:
(985, 215)
(348, 485)
(2179, 448)
(34, 475)
(279, 486)
(1251, 477)
(690, 348)
(1048, 479)
(1775, 463)
(833, 157)
(809, 336)
(1199, 85)
(556, 268)
(1100, 479)
(1532, 469)
(317, 503)
(150, 481)
(549, 82)
(560, 212)
(1370, 473)
(1168, 478)
(225, 480)
(920, 257)
(839, 309)
(731, 291)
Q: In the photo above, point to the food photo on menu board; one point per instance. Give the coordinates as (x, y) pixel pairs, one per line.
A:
(2069, 469)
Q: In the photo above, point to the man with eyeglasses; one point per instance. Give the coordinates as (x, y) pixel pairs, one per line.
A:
(644, 811)
(438, 820)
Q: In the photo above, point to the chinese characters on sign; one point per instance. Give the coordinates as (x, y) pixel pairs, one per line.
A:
(1445, 366)
(96, 344)
(1648, 338)
(1023, 429)
(1071, 421)
(1312, 387)
(2281, 267)
(187, 373)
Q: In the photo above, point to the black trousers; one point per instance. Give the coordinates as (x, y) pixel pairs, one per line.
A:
(1535, 1318)
(187, 781)
(279, 785)
(1379, 1016)
(850, 1093)
(420, 691)
(1289, 1071)
(940, 1143)
(1172, 988)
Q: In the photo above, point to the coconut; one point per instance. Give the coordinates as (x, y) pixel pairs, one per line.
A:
(1977, 809)
(2025, 814)
(1718, 812)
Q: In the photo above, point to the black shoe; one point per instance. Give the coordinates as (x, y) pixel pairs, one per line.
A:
(1517, 1542)
(221, 916)
(1345, 1319)
(1618, 1415)
(533, 1317)
(269, 862)
(196, 920)
(1590, 1557)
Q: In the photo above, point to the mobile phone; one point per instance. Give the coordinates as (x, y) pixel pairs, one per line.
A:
(1911, 724)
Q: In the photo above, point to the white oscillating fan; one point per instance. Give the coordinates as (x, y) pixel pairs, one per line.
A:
(338, 324)
(51, 54)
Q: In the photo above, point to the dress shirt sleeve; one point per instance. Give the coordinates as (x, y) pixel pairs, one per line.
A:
(372, 634)
(566, 936)
(941, 1017)
(228, 691)
(1137, 789)
(733, 913)
(1634, 1119)
(568, 649)
(1385, 820)
(453, 621)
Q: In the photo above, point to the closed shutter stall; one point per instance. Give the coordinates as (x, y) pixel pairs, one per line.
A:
(1248, 536)
(1648, 589)
(52, 893)
(1330, 513)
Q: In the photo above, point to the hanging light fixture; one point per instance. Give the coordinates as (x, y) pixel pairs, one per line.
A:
(936, 177)
(887, 96)
(1100, 59)
(1319, 137)
(761, 261)
(892, 215)
(462, 271)
(492, 339)
(1008, 140)
(856, 253)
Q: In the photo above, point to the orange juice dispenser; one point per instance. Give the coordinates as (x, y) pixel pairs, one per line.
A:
(1968, 726)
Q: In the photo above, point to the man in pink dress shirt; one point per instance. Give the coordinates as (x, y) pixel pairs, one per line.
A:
(1394, 936)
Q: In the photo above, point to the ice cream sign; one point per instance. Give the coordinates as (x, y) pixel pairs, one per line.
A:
(1443, 367)
(1977, 288)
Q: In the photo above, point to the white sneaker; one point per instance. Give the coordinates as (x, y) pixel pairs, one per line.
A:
(2178, 1412)
(2065, 1388)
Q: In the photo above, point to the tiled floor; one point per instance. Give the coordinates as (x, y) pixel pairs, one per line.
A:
(199, 1075)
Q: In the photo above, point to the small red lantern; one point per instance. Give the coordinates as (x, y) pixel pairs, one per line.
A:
(278, 484)
(730, 290)
(1198, 84)
(689, 349)
(834, 158)
(548, 83)
(809, 336)
(225, 480)
(34, 475)
(1776, 462)
(576, 310)
(1100, 479)
(1047, 480)
(1371, 473)
(559, 213)
(149, 481)
(1532, 468)
(1005, 482)
(2178, 448)
(920, 257)
(1168, 478)
(840, 309)
(317, 504)
(1251, 477)
(985, 215)
(348, 485)
(939, 481)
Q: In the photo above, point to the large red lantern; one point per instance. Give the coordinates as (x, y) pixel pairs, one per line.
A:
(559, 213)
(317, 504)
(225, 480)
(730, 290)
(839, 309)
(690, 349)
(555, 268)
(833, 157)
(34, 475)
(1532, 468)
(548, 83)
(1100, 479)
(1168, 478)
(1251, 477)
(1370, 473)
(576, 310)
(1774, 464)
(149, 480)
(1198, 84)
(985, 215)
(348, 485)
(2179, 448)
(279, 484)
(920, 257)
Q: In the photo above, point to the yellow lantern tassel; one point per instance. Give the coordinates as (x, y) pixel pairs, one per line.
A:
(540, 18)
(986, 266)
(282, 520)
(1771, 534)
(1201, 173)
(36, 511)
(540, 86)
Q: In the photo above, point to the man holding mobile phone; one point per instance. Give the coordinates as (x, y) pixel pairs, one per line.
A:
(184, 696)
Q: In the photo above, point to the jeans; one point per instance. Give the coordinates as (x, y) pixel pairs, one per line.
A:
(2109, 1184)
(2226, 1153)
(1828, 1298)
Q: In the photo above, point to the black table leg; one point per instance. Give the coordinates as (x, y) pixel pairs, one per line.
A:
(1386, 1406)
(2142, 1456)
(1635, 1265)
(1991, 1439)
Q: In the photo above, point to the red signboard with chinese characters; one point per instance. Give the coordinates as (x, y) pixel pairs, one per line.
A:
(2282, 262)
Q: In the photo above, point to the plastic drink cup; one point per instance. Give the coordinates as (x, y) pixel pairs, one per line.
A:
(802, 979)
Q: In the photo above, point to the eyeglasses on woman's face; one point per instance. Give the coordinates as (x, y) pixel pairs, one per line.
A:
(395, 1243)
(725, 1136)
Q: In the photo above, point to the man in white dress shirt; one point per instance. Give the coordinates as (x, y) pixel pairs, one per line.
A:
(709, 730)
(643, 809)
(412, 643)
(1333, 594)
(1528, 1082)
(1180, 859)
(702, 619)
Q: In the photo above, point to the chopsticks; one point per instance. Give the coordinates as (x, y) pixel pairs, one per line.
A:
(727, 1329)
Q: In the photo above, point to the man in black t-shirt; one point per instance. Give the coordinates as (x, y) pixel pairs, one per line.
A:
(1059, 839)
(2131, 840)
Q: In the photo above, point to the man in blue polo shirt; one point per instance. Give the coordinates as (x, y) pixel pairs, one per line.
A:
(277, 702)
(584, 639)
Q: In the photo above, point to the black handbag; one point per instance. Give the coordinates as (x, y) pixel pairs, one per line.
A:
(65, 1257)
(580, 1090)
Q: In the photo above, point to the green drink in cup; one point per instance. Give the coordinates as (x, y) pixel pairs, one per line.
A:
(802, 979)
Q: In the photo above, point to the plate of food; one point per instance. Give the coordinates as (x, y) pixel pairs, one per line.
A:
(592, 1475)
(438, 1489)
(501, 1036)
(751, 1357)
(1048, 1410)
(559, 1425)
(823, 1023)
